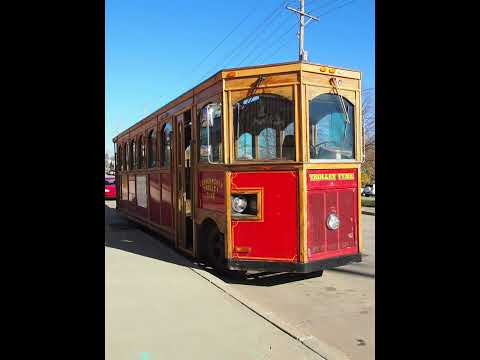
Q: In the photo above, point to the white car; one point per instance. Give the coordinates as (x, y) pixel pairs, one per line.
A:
(368, 190)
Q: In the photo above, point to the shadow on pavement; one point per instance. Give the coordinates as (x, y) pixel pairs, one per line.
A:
(354, 272)
(126, 235)
(260, 278)
(123, 234)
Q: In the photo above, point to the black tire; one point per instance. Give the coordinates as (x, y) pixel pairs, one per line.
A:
(216, 250)
(216, 255)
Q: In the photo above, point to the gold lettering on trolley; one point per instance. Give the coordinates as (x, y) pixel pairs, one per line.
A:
(332, 177)
(346, 176)
(211, 187)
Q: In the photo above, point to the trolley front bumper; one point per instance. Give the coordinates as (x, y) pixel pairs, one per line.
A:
(278, 266)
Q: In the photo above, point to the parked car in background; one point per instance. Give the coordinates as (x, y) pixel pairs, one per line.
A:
(110, 188)
(368, 190)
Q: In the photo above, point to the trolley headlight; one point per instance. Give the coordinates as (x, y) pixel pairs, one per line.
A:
(333, 222)
(239, 204)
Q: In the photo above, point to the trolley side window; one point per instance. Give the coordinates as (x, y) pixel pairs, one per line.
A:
(166, 145)
(264, 128)
(331, 127)
(133, 155)
(125, 187)
(128, 159)
(211, 133)
(119, 158)
(124, 156)
(141, 152)
(152, 149)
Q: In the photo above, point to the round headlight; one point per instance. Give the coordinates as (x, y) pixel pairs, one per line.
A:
(239, 204)
(333, 222)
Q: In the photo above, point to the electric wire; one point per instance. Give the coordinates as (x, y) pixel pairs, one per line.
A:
(283, 35)
(321, 5)
(265, 40)
(270, 19)
(278, 39)
(334, 8)
(337, 7)
(196, 67)
(329, 11)
(238, 47)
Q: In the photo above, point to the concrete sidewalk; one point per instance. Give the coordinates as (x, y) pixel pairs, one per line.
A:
(157, 307)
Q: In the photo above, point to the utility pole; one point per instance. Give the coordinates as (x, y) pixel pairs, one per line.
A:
(302, 54)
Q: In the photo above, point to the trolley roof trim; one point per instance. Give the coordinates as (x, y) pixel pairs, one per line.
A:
(231, 73)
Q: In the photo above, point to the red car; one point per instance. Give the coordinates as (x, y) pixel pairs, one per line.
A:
(110, 189)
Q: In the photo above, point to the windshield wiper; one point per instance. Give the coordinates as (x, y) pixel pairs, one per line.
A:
(333, 82)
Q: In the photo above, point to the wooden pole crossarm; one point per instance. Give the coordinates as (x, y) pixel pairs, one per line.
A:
(303, 13)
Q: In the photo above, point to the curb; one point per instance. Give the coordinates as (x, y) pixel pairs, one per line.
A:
(325, 351)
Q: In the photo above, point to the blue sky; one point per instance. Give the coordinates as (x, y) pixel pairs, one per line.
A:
(155, 50)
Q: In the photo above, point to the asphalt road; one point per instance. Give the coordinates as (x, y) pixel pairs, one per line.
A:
(338, 308)
(367, 266)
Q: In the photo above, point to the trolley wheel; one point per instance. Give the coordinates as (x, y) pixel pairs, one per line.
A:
(216, 255)
(216, 249)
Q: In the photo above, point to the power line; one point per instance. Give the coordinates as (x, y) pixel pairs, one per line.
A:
(278, 48)
(273, 43)
(334, 8)
(259, 46)
(285, 33)
(239, 46)
(265, 23)
(338, 7)
(328, 3)
(195, 68)
(279, 38)
(322, 14)
(225, 38)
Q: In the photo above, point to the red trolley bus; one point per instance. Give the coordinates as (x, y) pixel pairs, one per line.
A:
(256, 168)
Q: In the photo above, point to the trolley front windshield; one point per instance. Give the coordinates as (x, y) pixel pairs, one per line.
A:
(331, 128)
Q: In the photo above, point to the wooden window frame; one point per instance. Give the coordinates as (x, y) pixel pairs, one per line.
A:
(118, 164)
(148, 154)
(140, 142)
(215, 99)
(312, 91)
(265, 90)
(160, 141)
(133, 154)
